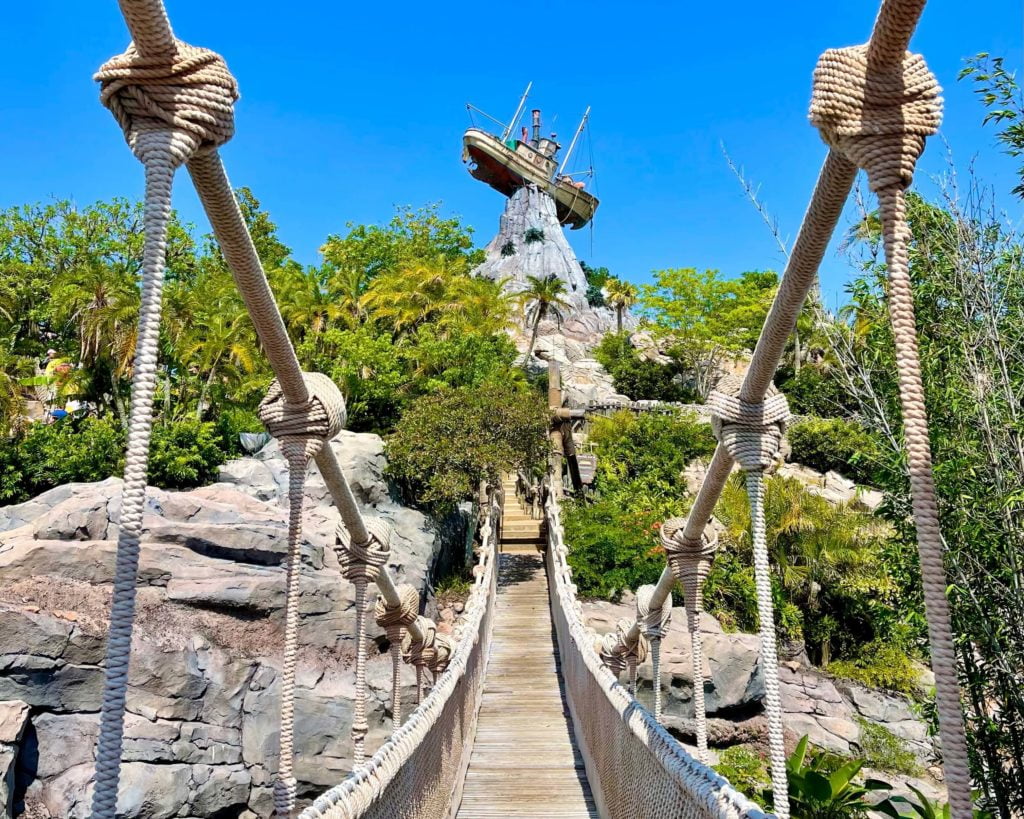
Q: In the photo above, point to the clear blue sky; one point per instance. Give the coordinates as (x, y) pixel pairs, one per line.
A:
(351, 108)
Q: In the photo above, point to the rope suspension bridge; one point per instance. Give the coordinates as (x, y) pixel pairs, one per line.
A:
(506, 690)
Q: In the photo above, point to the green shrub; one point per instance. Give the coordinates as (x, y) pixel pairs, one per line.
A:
(445, 444)
(834, 444)
(184, 454)
(12, 478)
(881, 664)
(814, 391)
(533, 234)
(640, 378)
(71, 450)
(508, 249)
(880, 748)
(231, 422)
(745, 768)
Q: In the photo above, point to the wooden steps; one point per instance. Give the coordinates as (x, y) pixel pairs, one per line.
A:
(524, 760)
(519, 531)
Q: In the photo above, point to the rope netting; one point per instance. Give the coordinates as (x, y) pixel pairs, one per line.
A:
(636, 769)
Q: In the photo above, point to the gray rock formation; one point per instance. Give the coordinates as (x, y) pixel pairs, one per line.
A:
(201, 734)
(825, 708)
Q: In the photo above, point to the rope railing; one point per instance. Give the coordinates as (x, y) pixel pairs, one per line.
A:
(874, 105)
(174, 103)
(635, 768)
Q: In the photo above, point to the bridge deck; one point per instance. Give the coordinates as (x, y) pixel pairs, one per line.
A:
(525, 761)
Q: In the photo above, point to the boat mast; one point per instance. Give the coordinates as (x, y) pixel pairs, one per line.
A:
(515, 117)
(572, 144)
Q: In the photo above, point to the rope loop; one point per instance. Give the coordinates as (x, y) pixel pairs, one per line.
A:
(189, 91)
(690, 560)
(421, 653)
(876, 113)
(654, 622)
(444, 648)
(365, 560)
(618, 651)
(750, 432)
(404, 614)
(303, 429)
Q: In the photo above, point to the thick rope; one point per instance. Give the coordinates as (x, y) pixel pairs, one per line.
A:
(654, 623)
(877, 105)
(393, 619)
(169, 108)
(690, 562)
(752, 434)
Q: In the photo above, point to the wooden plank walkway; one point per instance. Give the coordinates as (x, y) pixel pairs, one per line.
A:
(524, 761)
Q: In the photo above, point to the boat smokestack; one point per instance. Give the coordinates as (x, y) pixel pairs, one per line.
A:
(536, 125)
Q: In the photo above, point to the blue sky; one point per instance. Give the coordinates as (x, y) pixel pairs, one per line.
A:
(349, 109)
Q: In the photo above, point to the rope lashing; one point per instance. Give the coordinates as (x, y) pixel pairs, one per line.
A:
(168, 108)
(690, 562)
(879, 115)
(189, 92)
(444, 648)
(752, 434)
(362, 564)
(420, 653)
(620, 651)
(654, 623)
(301, 429)
(393, 620)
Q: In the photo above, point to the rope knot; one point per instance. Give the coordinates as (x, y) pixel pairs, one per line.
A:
(875, 113)
(690, 559)
(404, 614)
(190, 93)
(618, 651)
(303, 428)
(653, 621)
(750, 432)
(444, 648)
(363, 561)
(420, 653)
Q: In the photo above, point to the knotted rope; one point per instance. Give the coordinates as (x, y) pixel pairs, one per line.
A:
(878, 113)
(420, 653)
(654, 622)
(621, 650)
(168, 108)
(302, 430)
(752, 435)
(690, 562)
(362, 564)
(393, 619)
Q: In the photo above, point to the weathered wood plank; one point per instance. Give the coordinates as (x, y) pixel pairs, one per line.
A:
(524, 761)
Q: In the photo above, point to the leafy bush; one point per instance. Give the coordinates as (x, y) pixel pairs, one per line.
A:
(508, 249)
(814, 391)
(640, 378)
(881, 664)
(834, 444)
(745, 768)
(532, 235)
(231, 422)
(445, 444)
(185, 454)
(880, 748)
(89, 449)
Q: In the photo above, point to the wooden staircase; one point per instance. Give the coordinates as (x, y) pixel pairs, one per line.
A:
(520, 532)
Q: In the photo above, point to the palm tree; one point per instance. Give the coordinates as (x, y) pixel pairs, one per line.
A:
(416, 291)
(621, 296)
(544, 297)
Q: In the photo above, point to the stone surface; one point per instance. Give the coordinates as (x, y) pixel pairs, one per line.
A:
(201, 730)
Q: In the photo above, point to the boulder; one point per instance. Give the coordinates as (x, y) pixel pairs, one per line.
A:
(203, 699)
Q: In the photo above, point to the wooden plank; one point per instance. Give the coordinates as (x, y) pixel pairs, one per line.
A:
(524, 760)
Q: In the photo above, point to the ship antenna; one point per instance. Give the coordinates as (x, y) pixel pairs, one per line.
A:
(576, 136)
(515, 117)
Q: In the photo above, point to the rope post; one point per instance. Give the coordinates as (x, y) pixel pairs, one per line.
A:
(171, 103)
(690, 562)
(752, 434)
(654, 622)
(877, 104)
(394, 619)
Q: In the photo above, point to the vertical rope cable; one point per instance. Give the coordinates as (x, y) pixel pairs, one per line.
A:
(656, 673)
(159, 170)
(359, 726)
(395, 638)
(700, 713)
(769, 655)
(956, 764)
(285, 784)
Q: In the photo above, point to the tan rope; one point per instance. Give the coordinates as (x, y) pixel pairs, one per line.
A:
(393, 619)
(654, 623)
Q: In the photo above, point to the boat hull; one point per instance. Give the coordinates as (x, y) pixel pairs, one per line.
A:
(506, 170)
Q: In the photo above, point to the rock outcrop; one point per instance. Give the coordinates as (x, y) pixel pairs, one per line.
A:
(201, 735)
